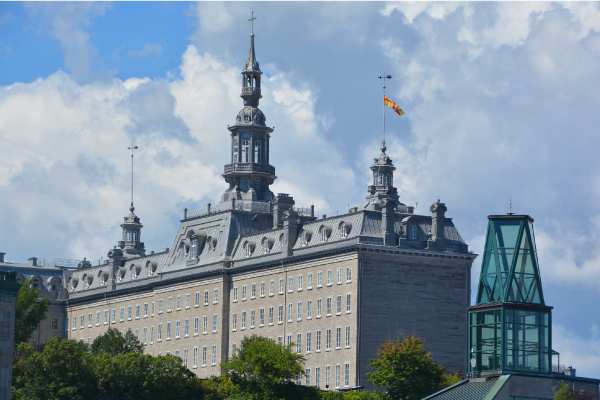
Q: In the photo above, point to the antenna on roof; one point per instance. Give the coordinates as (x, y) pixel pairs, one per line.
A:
(132, 148)
(510, 210)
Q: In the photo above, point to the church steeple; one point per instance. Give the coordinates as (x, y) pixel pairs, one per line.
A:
(249, 173)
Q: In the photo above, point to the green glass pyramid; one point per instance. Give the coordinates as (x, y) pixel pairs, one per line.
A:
(509, 271)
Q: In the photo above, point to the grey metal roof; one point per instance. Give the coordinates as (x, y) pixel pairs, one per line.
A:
(45, 273)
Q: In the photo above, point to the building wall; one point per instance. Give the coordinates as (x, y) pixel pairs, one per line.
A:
(7, 335)
(409, 295)
(52, 325)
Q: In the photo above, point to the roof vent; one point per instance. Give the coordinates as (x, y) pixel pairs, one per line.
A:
(33, 261)
(2, 257)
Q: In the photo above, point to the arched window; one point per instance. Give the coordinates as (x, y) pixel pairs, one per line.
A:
(387, 179)
(128, 235)
(413, 232)
(210, 244)
(35, 283)
(374, 179)
(124, 235)
(149, 268)
(265, 245)
(245, 151)
(133, 272)
(194, 247)
(257, 152)
(101, 277)
(343, 232)
(247, 250)
(380, 179)
(323, 234)
(235, 151)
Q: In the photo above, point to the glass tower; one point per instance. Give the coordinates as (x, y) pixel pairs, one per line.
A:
(510, 325)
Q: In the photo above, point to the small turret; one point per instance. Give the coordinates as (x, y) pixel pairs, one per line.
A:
(131, 244)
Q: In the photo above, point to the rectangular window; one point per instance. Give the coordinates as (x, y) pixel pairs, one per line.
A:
(74, 323)
(129, 308)
(178, 302)
(289, 339)
(170, 304)
(262, 316)
(280, 316)
(309, 309)
(54, 324)
(195, 357)
(235, 293)
(318, 376)
(186, 331)
(121, 314)
(348, 274)
(233, 349)
(234, 321)
(299, 310)
(308, 341)
(82, 321)
(137, 311)
(67, 324)
(337, 376)
(271, 287)
(346, 375)
(177, 329)
(153, 309)
(185, 357)
(298, 343)
(290, 284)
(329, 306)
(98, 317)
(328, 339)
(318, 341)
(262, 289)
(205, 324)
(244, 292)
(347, 336)
(114, 315)
(338, 308)
(329, 277)
(187, 301)
(214, 354)
(145, 335)
(307, 376)
(214, 322)
(197, 303)
(279, 340)
(196, 325)
(168, 330)
(300, 282)
(253, 293)
(339, 276)
(270, 315)
(90, 320)
(348, 302)
(204, 356)
(145, 309)
(243, 319)
(215, 296)
(206, 297)
(327, 373)
(252, 318)
(137, 334)
(281, 286)
(159, 332)
(290, 307)
(338, 337)
(160, 306)
(319, 279)
(309, 281)
(319, 308)
(105, 317)
(151, 334)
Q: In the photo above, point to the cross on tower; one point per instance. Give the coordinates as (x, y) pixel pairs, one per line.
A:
(252, 20)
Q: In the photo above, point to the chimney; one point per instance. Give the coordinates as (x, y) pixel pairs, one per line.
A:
(33, 261)
(2, 257)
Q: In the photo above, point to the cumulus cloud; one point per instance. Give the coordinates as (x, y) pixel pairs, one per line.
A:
(581, 354)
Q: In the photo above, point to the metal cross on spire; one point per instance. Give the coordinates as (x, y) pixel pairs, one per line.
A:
(252, 20)
(132, 148)
(384, 77)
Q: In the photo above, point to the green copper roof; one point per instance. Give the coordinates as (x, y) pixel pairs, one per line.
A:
(509, 270)
(474, 389)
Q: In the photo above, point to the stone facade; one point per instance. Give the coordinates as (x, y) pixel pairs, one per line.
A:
(8, 300)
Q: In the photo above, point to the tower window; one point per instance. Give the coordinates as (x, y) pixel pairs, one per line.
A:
(235, 151)
(257, 152)
(380, 179)
(387, 179)
(128, 235)
(245, 151)
(134, 236)
(413, 232)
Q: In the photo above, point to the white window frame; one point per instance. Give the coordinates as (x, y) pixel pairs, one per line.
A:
(320, 279)
(318, 342)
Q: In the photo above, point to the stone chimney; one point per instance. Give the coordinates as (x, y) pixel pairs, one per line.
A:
(281, 203)
(388, 215)
(2, 257)
(438, 223)
(33, 261)
(290, 228)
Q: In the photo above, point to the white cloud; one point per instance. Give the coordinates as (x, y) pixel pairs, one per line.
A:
(149, 48)
(581, 353)
(412, 9)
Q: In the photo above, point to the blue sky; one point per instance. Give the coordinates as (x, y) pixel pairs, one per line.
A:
(501, 99)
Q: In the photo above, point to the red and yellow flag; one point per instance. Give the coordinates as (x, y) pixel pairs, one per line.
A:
(388, 103)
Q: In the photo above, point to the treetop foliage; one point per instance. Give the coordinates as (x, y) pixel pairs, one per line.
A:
(113, 343)
(29, 312)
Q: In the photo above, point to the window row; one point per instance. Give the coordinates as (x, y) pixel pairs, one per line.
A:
(245, 152)
(290, 284)
(308, 377)
(204, 356)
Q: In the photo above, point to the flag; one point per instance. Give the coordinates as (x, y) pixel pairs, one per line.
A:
(388, 103)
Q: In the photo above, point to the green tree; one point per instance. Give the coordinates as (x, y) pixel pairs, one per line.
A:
(29, 312)
(407, 370)
(63, 370)
(113, 343)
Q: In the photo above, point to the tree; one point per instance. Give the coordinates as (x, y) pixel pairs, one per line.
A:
(63, 370)
(29, 312)
(113, 343)
(407, 370)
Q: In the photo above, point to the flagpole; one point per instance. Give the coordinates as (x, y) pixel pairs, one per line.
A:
(384, 77)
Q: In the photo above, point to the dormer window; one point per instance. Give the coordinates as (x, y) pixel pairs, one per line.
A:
(412, 232)
(101, 277)
(235, 151)
(245, 150)
(323, 234)
(35, 283)
(303, 241)
(194, 247)
(247, 250)
(210, 244)
(265, 246)
(343, 232)
(133, 272)
(257, 152)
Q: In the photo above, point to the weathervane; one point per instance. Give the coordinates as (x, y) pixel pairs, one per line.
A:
(384, 77)
(252, 20)
(510, 211)
(132, 148)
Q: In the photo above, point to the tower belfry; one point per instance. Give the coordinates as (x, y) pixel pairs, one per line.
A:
(249, 173)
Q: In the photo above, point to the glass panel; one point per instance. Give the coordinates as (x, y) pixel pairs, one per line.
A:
(483, 294)
(506, 258)
(487, 341)
(509, 336)
(485, 317)
(506, 232)
(490, 239)
(544, 319)
(514, 294)
(508, 315)
(544, 337)
(473, 338)
(489, 263)
(544, 362)
(498, 316)
(527, 317)
(473, 318)
(524, 262)
(504, 276)
(508, 360)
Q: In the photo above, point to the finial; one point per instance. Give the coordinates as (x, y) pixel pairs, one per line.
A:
(383, 148)
(510, 210)
(252, 21)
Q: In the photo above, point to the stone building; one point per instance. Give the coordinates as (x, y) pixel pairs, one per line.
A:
(336, 287)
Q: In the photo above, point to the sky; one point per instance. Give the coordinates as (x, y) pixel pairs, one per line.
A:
(501, 103)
